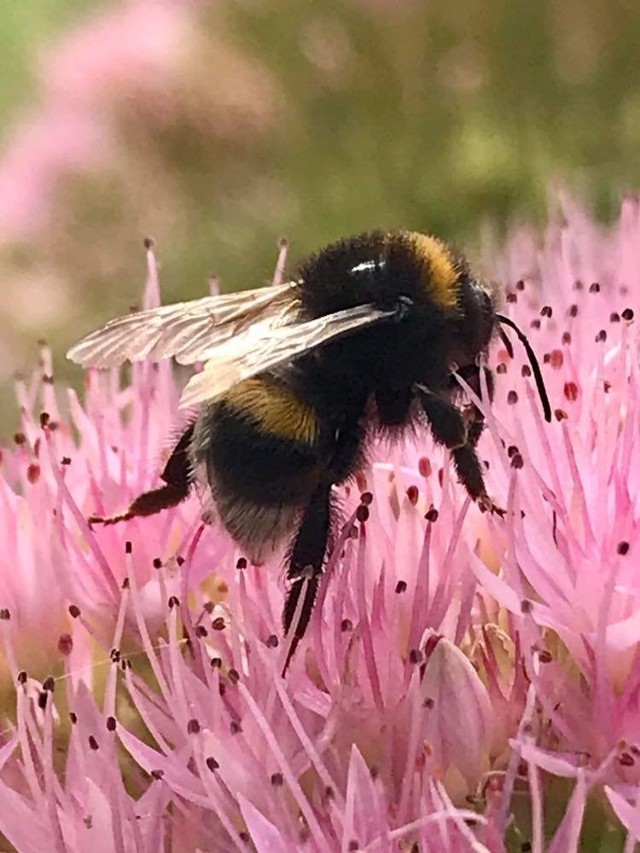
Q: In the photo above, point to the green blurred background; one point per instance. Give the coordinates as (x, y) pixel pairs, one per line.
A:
(218, 127)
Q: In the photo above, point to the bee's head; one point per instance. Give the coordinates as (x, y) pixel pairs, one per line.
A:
(479, 323)
(489, 321)
(488, 298)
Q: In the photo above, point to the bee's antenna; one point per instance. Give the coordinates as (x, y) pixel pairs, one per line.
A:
(507, 343)
(533, 361)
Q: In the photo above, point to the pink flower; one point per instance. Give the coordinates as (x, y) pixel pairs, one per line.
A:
(107, 89)
(125, 54)
(118, 95)
(461, 671)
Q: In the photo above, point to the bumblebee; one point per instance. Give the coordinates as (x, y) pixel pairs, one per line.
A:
(368, 337)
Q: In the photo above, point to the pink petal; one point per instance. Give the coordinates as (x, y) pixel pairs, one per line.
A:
(457, 715)
(264, 834)
(628, 813)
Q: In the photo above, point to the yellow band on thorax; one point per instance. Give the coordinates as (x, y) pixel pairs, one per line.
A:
(443, 274)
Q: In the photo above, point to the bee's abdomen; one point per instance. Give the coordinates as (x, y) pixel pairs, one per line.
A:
(259, 446)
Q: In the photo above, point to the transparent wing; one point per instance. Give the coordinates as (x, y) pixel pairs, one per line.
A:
(189, 331)
(264, 346)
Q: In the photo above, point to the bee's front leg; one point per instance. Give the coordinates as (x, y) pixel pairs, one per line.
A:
(459, 432)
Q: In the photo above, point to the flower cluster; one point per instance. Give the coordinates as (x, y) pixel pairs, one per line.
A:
(469, 682)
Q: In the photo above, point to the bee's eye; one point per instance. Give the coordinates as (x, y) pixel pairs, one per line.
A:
(485, 298)
(403, 306)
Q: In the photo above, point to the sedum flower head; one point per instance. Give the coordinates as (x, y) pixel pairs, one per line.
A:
(467, 683)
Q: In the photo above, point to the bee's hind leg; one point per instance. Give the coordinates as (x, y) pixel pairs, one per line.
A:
(305, 565)
(178, 478)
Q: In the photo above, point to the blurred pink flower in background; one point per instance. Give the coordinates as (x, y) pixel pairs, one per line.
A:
(57, 141)
(129, 53)
(142, 60)
(119, 95)
(468, 682)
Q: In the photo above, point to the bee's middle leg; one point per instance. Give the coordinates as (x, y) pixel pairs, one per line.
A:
(305, 566)
(315, 534)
